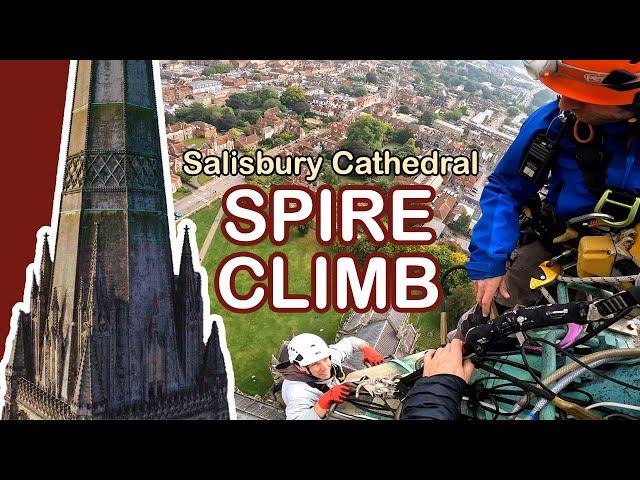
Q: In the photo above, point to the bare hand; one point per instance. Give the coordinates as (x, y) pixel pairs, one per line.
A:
(486, 289)
(448, 359)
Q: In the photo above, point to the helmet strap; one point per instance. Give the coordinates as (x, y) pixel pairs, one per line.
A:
(311, 374)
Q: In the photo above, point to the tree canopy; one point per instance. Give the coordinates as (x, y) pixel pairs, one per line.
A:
(218, 67)
(292, 95)
(369, 130)
(427, 118)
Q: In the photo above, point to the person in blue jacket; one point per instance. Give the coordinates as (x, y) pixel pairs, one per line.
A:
(438, 394)
(604, 97)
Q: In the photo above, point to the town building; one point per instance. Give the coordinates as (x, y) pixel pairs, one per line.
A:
(206, 86)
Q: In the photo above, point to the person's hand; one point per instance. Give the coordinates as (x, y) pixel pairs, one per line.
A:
(486, 289)
(337, 394)
(448, 359)
(371, 356)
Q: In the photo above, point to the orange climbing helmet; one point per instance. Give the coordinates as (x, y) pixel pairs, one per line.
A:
(600, 82)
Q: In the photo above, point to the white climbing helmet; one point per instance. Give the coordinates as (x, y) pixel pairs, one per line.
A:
(307, 348)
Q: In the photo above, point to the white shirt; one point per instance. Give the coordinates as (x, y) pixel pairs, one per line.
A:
(301, 397)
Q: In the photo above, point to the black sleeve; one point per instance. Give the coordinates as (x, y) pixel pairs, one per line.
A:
(434, 398)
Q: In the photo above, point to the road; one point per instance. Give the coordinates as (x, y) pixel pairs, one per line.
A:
(392, 92)
(206, 194)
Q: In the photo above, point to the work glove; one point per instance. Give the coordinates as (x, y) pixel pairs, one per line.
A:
(370, 356)
(337, 394)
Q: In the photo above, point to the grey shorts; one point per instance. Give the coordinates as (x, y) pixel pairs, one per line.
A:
(523, 262)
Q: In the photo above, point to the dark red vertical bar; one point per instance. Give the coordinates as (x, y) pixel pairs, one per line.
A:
(33, 95)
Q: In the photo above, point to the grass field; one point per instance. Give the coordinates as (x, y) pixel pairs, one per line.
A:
(203, 219)
(195, 142)
(252, 338)
(181, 193)
(202, 178)
(429, 325)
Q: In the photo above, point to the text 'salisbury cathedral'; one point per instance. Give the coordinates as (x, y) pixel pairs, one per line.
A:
(111, 332)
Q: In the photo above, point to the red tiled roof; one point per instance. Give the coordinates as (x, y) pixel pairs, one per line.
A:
(222, 139)
(249, 140)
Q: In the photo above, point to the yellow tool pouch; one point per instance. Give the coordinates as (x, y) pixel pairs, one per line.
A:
(596, 256)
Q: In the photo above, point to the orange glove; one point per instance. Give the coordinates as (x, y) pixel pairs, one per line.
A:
(337, 394)
(370, 356)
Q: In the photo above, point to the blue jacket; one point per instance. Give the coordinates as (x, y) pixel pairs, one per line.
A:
(434, 398)
(496, 233)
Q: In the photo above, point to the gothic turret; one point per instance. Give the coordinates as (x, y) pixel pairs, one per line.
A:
(189, 313)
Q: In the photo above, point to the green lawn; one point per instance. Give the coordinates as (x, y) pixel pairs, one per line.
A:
(195, 142)
(203, 219)
(252, 338)
(181, 193)
(429, 325)
(202, 178)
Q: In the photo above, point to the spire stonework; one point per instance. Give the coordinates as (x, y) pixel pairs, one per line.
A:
(111, 276)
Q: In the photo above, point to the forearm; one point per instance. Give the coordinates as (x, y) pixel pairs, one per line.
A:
(348, 346)
(321, 412)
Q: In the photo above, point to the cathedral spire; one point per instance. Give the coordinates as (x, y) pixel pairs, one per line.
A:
(112, 268)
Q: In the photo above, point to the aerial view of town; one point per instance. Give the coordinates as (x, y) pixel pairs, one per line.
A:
(305, 107)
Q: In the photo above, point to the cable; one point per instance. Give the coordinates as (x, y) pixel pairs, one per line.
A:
(499, 354)
(621, 415)
(613, 404)
(567, 405)
(516, 381)
(583, 392)
(591, 357)
(495, 389)
(564, 382)
(495, 410)
(533, 374)
(489, 393)
(575, 359)
(510, 362)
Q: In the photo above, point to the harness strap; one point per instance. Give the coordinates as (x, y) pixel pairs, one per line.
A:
(591, 159)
